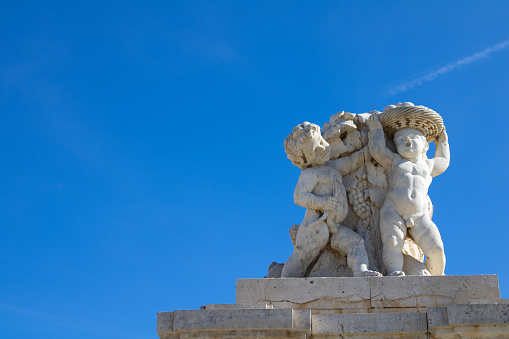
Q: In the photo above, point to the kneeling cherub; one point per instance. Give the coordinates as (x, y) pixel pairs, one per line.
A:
(410, 172)
(320, 189)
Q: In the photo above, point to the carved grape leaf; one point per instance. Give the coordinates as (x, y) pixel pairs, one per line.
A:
(377, 196)
(350, 180)
(376, 175)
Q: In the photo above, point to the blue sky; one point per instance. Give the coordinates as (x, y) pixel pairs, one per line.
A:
(143, 164)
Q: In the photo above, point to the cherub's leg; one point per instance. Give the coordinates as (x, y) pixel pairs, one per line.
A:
(309, 243)
(393, 232)
(350, 243)
(427, 236)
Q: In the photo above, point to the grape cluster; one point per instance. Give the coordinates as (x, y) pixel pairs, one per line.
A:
(358, 197)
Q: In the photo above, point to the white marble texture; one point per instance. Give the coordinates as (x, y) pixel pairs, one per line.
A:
(367, 293)
(364, 184)
(430, 307)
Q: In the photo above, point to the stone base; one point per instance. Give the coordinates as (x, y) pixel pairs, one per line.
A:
(378, 307)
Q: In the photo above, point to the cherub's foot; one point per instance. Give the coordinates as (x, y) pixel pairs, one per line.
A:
(367, 273)
(397, 274)
(424, 273)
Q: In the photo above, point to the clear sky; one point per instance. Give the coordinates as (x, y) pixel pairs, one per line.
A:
(143, 167)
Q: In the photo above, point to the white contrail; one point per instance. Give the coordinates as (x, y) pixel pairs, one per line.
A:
(446, 69)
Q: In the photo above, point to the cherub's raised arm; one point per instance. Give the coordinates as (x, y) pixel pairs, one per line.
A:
(442, 155)
(377, 143)
(350, 163)
(303, 196)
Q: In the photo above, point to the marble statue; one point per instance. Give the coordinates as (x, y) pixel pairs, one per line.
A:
(364, 181)
(320, 189)
(364, 184)
(405, 208)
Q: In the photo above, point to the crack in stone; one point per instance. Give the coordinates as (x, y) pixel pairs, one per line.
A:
(359, 298)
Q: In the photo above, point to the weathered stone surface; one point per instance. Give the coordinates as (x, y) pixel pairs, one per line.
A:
(469, 321)
(375, 293)
(387, 323)
(490, 301)
(478, 314)
(305, 293)
(164, 322)
(330, 264)
(242, 334)
(235, 323)
(472, 332)
(443, 307)
(301, 320)
(437, 317)
(236, 306)
(413, 291)
(232, 319)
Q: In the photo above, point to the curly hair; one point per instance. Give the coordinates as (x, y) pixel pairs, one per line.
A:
(295, 142)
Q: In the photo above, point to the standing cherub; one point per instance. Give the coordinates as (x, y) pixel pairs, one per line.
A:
(410, 173)
(320, 189)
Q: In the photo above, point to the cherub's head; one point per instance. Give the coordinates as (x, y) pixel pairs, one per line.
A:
(410, 143)
(306, 147)
(342, 135)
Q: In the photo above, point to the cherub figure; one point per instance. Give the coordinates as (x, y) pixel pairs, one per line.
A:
(410, 172)
(320, 189)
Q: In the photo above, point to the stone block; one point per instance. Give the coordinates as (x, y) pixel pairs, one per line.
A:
(301, 320)
(431, 291)
(236, 306)
(232, 319)
(242, 334)
(164, 322)
(441, 307)
(478, 314)
(472, 332)
(393, 310)
(300, 293)
(373, 323)
(469, 321)
(375, 293)
(437, 317)
(489, 301)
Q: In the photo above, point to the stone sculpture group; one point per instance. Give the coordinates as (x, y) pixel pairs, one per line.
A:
(364, 184)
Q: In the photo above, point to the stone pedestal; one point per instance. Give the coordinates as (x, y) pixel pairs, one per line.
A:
(378, 307)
